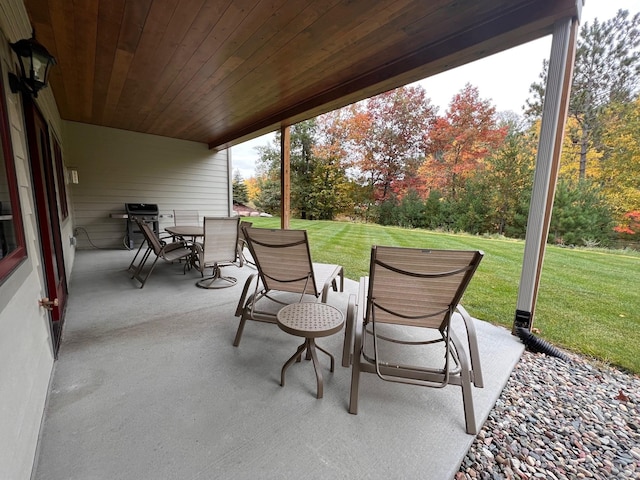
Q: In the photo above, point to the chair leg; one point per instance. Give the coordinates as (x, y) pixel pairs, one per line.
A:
(465, 383)
(137, 269)
(243, 320)
(138, 275)
(355, 370)
(132, 267)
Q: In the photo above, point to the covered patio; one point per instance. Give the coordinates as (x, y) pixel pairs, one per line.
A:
(143, 105)
(147, 385)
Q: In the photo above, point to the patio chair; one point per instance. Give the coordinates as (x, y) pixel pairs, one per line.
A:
(169, 252)
(218, 249)
(285, 275)
(242, 243)
(402, 325)
(186, 218)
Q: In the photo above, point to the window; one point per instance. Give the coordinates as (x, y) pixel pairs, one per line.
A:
(12, 243)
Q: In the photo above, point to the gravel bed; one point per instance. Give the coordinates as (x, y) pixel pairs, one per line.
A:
(558, 420)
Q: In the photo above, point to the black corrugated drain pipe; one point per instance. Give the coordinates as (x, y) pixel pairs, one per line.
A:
(538, 345)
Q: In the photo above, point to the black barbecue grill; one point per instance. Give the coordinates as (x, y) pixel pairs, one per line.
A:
(145, 212)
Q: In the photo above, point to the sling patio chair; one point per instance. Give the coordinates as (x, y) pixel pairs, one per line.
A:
(168, 251)
(402, 326)
(186, 218)
(242, 243)
(285, 275)
(219, 248)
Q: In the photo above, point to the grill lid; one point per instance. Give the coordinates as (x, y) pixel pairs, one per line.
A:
(141, 208)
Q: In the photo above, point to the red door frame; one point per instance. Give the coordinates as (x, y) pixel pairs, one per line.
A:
(42, 172)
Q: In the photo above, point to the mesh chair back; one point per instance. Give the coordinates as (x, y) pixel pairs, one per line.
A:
(418, 287)
(151, 238)
(220, 240)
(243, 224)
(283, 259)
(186, 218)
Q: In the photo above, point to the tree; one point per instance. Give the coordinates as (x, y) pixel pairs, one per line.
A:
(509, 173)
(387, 138)
(240, 194)
(619, 174)
(459, 142)
(253, 190)
(580, 216)
(330, 191)
(606, 70)
(268, 178)
(302, 164)
(318, 175)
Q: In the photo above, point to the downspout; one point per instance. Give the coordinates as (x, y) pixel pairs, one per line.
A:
(554, 116)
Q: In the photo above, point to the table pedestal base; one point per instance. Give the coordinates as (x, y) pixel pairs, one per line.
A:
(310, 346)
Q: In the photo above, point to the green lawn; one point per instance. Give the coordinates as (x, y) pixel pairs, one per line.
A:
(588, 302)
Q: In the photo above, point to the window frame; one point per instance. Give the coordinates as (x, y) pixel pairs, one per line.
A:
(9, 263)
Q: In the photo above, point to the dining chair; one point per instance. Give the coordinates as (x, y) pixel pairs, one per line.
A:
(219, 248)
(168, 251)
(186, 218)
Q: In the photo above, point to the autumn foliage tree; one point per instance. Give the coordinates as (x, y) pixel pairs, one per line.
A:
(459, 142)
(386, 138)
(619, 173)
(607, 68)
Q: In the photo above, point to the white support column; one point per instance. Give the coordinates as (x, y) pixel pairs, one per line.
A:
(230, 211)
(554, 114)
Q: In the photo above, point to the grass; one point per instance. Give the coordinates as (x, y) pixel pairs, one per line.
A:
(588, 300)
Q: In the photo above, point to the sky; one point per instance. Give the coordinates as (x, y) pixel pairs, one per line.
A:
(503, 78)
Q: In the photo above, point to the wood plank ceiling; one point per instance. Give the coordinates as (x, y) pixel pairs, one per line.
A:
(224, 71)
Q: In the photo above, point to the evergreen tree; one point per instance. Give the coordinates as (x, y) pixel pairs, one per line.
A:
(580, 217)
(240, 194)
(509, 173)
(607, 69)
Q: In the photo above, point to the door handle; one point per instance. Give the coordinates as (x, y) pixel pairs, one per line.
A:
(48, 304)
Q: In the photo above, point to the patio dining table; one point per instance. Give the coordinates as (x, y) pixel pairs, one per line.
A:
(190, 231)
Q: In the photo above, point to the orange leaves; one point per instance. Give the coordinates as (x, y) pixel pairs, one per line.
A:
(460, 140)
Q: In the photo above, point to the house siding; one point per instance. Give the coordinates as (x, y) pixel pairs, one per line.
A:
(26, 354)
(117, 167)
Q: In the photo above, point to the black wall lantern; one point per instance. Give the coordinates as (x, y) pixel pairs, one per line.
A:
(35, 62)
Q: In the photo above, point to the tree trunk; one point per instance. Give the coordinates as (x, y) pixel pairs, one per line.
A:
(584, 143)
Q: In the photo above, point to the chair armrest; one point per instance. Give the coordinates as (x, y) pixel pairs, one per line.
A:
(320, 272)
(474, 353)
(242, 302)
(356, 311)
(347, 345)
(167, 247)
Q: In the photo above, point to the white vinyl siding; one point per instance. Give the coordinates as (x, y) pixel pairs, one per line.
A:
(117, 167)
(26, 358)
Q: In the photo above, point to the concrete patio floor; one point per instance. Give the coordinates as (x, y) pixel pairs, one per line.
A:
(148, 386)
